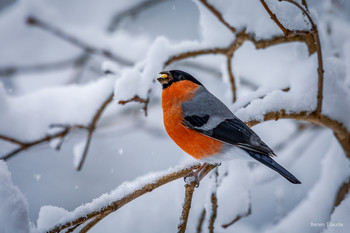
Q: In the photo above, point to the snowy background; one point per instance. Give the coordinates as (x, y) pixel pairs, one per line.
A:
(47, 82)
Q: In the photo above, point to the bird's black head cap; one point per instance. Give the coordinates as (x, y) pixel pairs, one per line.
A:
(169, 77)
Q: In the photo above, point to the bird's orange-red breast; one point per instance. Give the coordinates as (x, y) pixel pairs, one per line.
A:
(195, 144)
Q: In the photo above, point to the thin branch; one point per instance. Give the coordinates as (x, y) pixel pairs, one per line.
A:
(72, 229)
(136, 98)
(32, 20)
(117, 204)
(11, 70)
(204, 170)
(214, 207)
(79, 68)
(274, 18)
(239, 217)
(195, 53)
(133, 11)
(218, 15)
(308, 39)
(303, 10)
(12, 140)
(201, 220)
(27, 145)
(93, 222)
(304, 3)
(92, 127)
(342, 192)
(241, 37)
(189, 189)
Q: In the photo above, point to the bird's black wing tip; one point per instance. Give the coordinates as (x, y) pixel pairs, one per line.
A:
(295, 181)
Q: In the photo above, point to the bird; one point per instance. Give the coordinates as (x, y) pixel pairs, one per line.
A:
(205, 128)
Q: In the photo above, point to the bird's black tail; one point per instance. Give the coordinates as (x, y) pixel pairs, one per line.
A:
(275, 166)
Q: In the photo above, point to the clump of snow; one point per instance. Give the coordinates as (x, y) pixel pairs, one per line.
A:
(209, 23)
(140, 78)
(14, 206)
(233, 192)
(249, 15)
(315, 207)
(73, 104)
(339, 221)
(49, 215)
(300, 75)
(333, 101)
(289, 15)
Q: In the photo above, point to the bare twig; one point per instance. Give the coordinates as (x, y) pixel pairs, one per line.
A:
(133, 11)
(117, 204)
(239, 217)
(136, 98)
(204, 170)
(214, 207)
(189, 189)
(93, 222)
(72, 229)
(304, 3)
(218, 15)
(342, 192)
(189, 54)
(201, 220)
(11, 70)
(78, 68)
(92, 127)
(26, 145)
(32, 20)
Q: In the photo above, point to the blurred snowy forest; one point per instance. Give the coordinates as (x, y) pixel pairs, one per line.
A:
(81, 130)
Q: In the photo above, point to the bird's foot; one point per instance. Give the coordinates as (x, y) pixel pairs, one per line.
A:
(195, 175)
(192, 177)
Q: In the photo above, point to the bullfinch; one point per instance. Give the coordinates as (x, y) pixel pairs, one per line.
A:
(202, 126)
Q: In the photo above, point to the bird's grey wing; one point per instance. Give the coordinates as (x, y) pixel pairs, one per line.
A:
(208, 115)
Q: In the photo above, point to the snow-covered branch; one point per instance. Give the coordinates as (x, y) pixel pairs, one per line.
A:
(60, 135)
(125, 193)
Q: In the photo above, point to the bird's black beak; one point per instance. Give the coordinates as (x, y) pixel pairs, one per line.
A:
(164, 77)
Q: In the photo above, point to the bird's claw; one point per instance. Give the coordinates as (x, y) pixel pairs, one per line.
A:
(194, 176)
